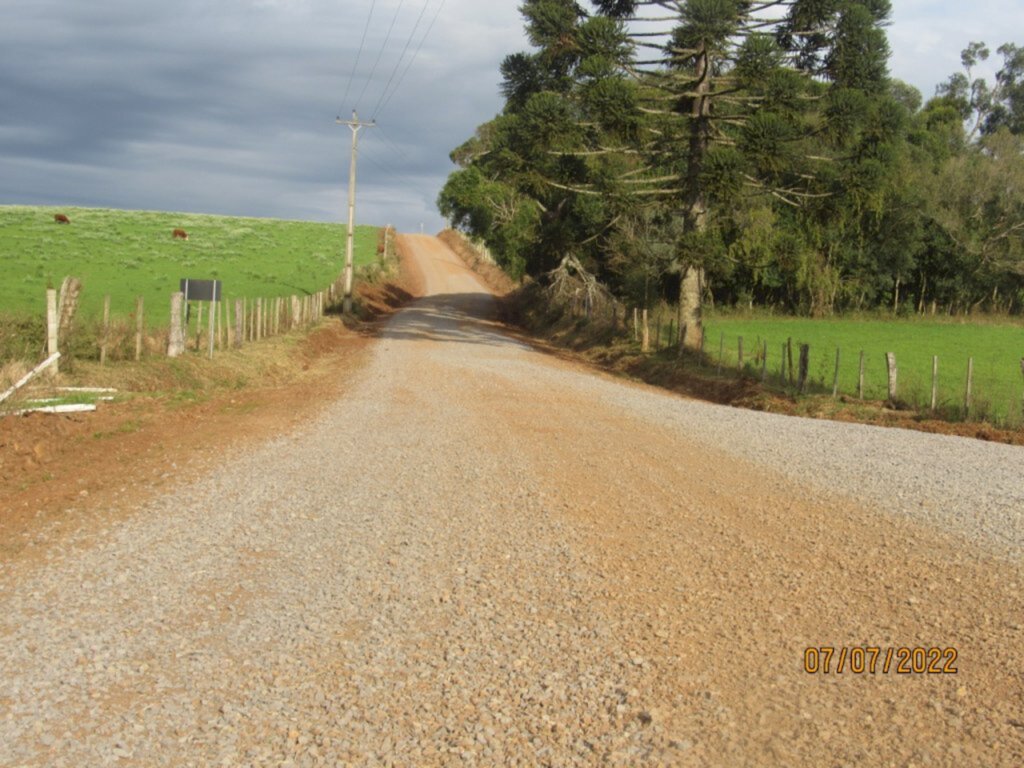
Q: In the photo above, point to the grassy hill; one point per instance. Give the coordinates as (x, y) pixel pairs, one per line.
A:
(132, 253)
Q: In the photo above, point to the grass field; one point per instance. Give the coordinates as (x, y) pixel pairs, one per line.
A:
(997, 349)
(132, 253)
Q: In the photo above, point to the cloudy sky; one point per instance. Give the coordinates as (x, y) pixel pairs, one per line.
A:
(229, 106)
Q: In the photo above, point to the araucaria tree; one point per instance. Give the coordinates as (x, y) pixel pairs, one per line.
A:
(733, 137)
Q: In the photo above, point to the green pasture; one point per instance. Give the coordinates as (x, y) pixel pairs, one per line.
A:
(997, 349)
(132, 253)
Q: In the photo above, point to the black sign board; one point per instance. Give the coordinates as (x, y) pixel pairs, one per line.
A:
(201, 290)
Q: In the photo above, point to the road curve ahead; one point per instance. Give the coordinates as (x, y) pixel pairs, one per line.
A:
(482, 556)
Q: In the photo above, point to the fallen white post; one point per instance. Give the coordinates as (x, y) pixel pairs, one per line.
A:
(60, 401)
(75, 408)
(31, 375)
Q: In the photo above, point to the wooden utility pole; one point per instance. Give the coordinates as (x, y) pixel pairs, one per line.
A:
(355, 125)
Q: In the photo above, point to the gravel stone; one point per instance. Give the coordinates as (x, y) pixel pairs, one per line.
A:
(485, 556)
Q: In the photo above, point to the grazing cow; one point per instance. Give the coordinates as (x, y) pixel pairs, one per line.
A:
(180, 234)
(60, 218)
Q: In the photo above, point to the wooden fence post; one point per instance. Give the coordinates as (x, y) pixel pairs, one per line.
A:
(893, 371)
(805, 365)
(835, 378)
(176, 340)
(645, 343)
(67, 301)
(199, 325)
(213, 327)
(239, 323)
(52, 324)
(970, 387)
(860, 378)
(140, 327)
(789, 356)
(295, 312)
(259, 319)
(105, 339)
(1022, 374)
(223, 329)
(636, 324)
(935, 382)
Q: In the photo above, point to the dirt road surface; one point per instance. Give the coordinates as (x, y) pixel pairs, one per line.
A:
(483, 556)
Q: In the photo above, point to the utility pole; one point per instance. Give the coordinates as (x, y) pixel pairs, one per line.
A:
(355, 125)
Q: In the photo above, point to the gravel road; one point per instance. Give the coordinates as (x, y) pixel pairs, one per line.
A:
(483, 556)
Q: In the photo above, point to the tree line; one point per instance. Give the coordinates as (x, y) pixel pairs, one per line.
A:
(748, 152)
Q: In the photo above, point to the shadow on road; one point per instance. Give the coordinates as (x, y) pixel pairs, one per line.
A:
(464, 318)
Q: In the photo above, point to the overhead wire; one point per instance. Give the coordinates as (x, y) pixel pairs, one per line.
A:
(408, 66)
(380, 53)
(398, 63)
(390, 171)
(378, 160)
(387, 140)
(355, 66)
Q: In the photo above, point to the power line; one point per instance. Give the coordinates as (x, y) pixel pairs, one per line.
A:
(402, 56)
(392, 173)
(414, 55)
(393, 145)
(358, 54)
(383, 162)
(380, 53)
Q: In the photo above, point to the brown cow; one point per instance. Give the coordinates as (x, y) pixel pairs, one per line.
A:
(180, 234)
(60, 218)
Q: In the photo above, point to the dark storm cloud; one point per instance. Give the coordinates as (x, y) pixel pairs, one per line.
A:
(229, 106)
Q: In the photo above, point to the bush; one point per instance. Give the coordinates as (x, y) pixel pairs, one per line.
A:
(22, 337)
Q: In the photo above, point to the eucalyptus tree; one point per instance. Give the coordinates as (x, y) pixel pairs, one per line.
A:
(979, 203)
(987, 108)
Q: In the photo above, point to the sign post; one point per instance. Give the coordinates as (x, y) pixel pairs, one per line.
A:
(204, 290)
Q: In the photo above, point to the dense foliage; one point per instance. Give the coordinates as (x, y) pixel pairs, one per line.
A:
(754, 153)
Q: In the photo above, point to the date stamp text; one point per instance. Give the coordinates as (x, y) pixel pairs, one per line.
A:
(873, 660)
